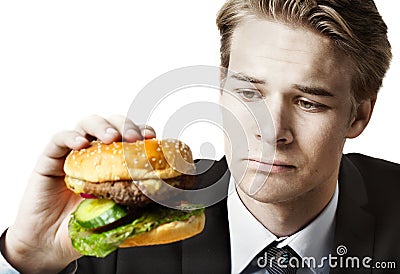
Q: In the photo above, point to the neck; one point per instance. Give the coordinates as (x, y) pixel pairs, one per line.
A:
(285, 218)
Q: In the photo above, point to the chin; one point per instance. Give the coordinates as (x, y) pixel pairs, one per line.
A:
(270, 191)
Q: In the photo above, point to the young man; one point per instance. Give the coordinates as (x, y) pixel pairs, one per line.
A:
(300, 78)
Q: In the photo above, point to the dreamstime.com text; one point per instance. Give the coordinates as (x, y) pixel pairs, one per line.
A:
(334, 261)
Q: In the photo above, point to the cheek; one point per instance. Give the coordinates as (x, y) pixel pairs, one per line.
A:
(322, 140)
(238, 124)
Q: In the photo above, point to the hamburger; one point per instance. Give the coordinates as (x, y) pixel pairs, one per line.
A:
(120, 183)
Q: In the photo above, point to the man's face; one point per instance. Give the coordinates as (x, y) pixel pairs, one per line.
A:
(287, 110)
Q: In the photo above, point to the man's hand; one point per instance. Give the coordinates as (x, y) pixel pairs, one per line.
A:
(38, 241)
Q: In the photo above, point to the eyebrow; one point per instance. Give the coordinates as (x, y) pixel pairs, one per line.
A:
(246, 78)
(314, 90)
(318, 91)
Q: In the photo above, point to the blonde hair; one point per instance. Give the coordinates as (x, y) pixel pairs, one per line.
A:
(355, 27)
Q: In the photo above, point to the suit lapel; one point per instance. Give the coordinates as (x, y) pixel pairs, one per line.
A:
(354, 225)
(209, 252)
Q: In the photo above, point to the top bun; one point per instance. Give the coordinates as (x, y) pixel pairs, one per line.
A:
(120, 161)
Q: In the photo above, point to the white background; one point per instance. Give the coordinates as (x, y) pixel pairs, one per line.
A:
(63, 60)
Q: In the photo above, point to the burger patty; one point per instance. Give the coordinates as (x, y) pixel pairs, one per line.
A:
(128, 193)
(121, 192)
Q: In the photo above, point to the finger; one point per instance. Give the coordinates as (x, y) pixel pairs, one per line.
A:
(51, 161)
(99, 128)
(129, 130)
(147, 131)
(62, 143)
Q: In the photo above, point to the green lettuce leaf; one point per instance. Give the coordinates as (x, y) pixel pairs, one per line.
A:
(100, 244)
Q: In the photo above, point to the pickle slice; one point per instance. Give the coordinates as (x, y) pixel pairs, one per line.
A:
(95, 213)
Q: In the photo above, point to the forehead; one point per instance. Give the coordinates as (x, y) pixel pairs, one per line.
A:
(261, 45)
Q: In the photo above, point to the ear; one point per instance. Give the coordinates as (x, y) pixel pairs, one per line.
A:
(361, 118)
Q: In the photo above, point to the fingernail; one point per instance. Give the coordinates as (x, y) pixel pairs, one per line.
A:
(132, 132)
(80, 140)
(148, 133)
(111, 131)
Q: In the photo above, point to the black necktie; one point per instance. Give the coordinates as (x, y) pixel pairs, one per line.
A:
(275, 260)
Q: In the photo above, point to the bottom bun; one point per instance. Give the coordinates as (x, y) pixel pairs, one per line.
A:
(168, 233)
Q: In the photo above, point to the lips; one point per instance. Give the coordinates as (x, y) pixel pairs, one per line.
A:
(275, 166)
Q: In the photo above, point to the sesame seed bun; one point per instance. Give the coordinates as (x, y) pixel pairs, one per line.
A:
(121, 161)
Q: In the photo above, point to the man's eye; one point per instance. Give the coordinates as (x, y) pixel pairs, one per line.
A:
(309, 106)
(249, 94)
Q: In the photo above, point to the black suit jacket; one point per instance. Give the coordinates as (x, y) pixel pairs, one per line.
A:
(367, 224)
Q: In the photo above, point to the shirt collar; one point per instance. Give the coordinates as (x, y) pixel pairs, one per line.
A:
(248, 236)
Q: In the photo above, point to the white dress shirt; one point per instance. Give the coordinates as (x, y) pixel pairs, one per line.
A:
(248, 236)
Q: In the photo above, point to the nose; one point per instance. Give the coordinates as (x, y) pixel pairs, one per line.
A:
(276, 129)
